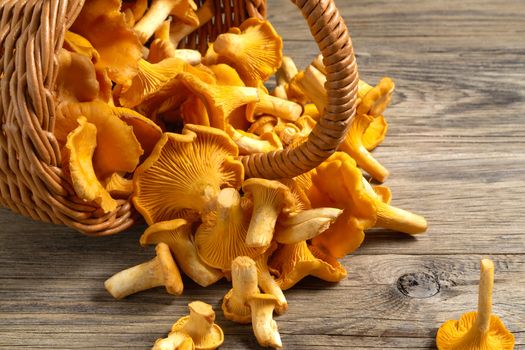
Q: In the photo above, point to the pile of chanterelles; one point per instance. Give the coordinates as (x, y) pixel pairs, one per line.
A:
(138, 117)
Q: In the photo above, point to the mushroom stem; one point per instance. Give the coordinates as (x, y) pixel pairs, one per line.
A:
(153, 19)
(262, 225)
(200, 322)
(270, 286)
(244, 278)
(278, 107)
(363, 88)
(175, 340)
(280, 91)
(287, 71)
(399, 220)
(159, 271)
(305, 225)
(263, 324)
(180, 29)
(486, 283)
(312, 83)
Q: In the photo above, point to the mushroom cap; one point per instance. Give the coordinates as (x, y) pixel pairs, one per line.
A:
(263, 298)
(233, 312)
(172, 278)
(377, 99)
(78, 158)
(185, 171)
(384, 193)
(269, 190)
(375, 133)
(182, 341)
(77, 43)
(118, 186)
(76, 79)
(214, 338)
(455, 335)
(256, 51)
(164, 231)
(105, 27)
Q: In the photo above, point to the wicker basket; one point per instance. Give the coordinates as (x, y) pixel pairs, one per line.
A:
(32, 182)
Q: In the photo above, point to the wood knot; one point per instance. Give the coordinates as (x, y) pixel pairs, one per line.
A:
(418, 285)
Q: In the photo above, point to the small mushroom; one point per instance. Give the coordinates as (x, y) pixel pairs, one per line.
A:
(161, 47)
(249, 143)
(287, 71)
(160, 271)
(159, 11)
(270, 198)
(221, 236)
(78, 162)
(263, 125)
(267, 282)
(311, 82)
(77, 43)
(271, 105)
(375, 133)
(180, 30)
(264, 326)
(200, 326)
(177, 235)
(105, 27)
(479, 330)
(296, 261)
(255, 51)
(165, 184)
(118, 186)
(374, 100)
(76, 79)
(174, 341)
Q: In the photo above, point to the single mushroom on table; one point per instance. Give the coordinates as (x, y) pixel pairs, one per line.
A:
(178, 236)
(200, 326)
(244, 303)
(479, 330)
(160, 271)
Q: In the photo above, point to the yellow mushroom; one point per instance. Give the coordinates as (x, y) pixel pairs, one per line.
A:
(137, 9)
(220, 100)
(180, 29)
(221, 236)
(161, 47)
(280, 91)
(105, 27)
(263, 125)
(244, 303)
(311, 110)
(271, 105)
(267, 282)
(244, 285)
(200, 326)
(159, 10)
(256, 52)
(270, 198)
(249, 143)
(383, 192)
(78, 162)
(340, 184)
(118, 186)
(193, 111)
(76, 79)
(479, 330)
(311, 83)
(375, 133)
(118, 150)
(178, 236)
(304, 225)
(77, 43)
(160, 271)
(185, 171)
(286, 72)
(174, 341)
(374, 100)
(294, 91)
(296, 261)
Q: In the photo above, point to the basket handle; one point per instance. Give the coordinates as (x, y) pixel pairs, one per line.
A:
(331, 35)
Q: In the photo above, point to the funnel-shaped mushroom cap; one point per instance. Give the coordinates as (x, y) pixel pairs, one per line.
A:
(174, 341)
(78, 158)
(200, 326)
(160, 271)
(146, 131)
(177, 235)
(479, 330)
(220, 100)
(375, 133)
(375, 99)
(221, 236)
(118, 150)
(353, 145)
(270, 198)
(185, 171)
(296, 261)
(256, 52)
(102, 23)
(77, 79)
(193, 111)
(244, 286)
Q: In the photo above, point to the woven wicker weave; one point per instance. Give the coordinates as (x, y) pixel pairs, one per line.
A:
(32, 182)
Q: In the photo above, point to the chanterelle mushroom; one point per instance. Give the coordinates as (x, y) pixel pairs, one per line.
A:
(185, 171)
(174, 341)
(221, 236)
(477, 330)
(177, 235)
(160, 271)
(269, 200)
(200, 326)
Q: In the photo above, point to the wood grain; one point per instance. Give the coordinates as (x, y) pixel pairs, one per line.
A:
(456, 153)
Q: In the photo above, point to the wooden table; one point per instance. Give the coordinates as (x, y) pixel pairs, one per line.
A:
(456, 152)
